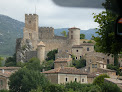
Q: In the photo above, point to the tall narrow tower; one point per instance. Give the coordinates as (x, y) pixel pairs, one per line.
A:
(31, 29)
(41, 51)
(74, 36)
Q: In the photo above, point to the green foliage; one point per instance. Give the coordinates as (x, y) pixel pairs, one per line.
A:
(55, 88)
(11, 61)
(33, 64)
(106, 40)
(24, 80)
(110, 87)
(89, 41)
(64, 33)
(82, 36)
(1, 59)
(39, 89)
(112, 67)
(4, 90)
(51, 54)
(99, 80)
(79, 63)
(47, 65)
(78, 87)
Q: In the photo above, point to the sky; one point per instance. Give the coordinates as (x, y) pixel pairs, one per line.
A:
(50, 14)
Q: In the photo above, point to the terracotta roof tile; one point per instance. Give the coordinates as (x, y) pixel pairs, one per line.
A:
(66, 70)
(74, 28)
(63, 59)
(10, 68)
(6, 74)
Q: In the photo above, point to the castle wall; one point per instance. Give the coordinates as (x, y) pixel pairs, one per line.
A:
(46, 33)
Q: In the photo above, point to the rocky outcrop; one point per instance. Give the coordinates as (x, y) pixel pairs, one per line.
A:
(22, 46)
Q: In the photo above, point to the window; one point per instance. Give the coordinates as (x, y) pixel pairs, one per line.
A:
(71, 36)
(1, 82)
(87, 49)
(76, 58)
(82, 80)
(107, 61)
(92, 65)
(71, 31)
(76, 50)
(30, 35)
(95, 66)
(76, 79)
(66, 79)
(80, 57)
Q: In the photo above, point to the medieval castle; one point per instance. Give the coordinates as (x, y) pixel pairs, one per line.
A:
(38, 41)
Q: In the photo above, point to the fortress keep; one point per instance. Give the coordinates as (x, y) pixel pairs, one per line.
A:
(38, 41)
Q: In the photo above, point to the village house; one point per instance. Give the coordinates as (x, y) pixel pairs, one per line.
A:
(5, 73)
(64, 75)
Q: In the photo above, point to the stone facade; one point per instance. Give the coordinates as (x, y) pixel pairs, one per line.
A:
(62, 62)
(65, 74)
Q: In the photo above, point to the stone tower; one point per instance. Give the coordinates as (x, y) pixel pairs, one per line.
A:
(41, 51)
(31, 29)
(74, 36)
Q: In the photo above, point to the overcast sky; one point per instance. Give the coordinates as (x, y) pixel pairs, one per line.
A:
(50, 14)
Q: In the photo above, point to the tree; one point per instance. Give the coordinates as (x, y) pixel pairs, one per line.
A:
(79, 63)
(11, 61)
(51, 54)
(110, 87)
(1, 59)
(33, 64)
(24, 80)
(106, 40)
(82, 36)
(64, 33)
(99, 80)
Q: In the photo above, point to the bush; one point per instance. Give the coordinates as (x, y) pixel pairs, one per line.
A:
(110, 87)
(99, 80)
(51, 55)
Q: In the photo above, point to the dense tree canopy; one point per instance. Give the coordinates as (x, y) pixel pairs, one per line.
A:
(11, 61)
(51, 54)
(106, 41)
(64, 33)
(24, 80)
(82, 36)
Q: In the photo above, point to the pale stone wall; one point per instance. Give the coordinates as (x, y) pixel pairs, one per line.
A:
(71, 77)
(60, 64)
(74, 36)
(46, 33)
(41, 53)
(53, 78)
(90, 79)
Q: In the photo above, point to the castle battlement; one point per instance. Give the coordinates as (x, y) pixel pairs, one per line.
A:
(46, 28)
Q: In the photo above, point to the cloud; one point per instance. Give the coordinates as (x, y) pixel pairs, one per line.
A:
(49, 13)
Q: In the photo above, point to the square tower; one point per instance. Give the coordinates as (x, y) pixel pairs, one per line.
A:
(31, 29)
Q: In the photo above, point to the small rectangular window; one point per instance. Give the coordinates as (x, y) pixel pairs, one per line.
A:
(76, 58)
(71, 36)
(76, 50)
(87, 49)
(1, 82)
(75, 79)
(82, 80)
(66, 79)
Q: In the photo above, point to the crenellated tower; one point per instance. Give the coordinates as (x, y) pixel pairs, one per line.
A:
(31, 29)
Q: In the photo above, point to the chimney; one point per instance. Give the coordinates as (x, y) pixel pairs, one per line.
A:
(2, 70)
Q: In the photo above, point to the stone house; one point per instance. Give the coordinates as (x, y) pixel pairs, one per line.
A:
(5, 73)
(62, 62)
(63, 75)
